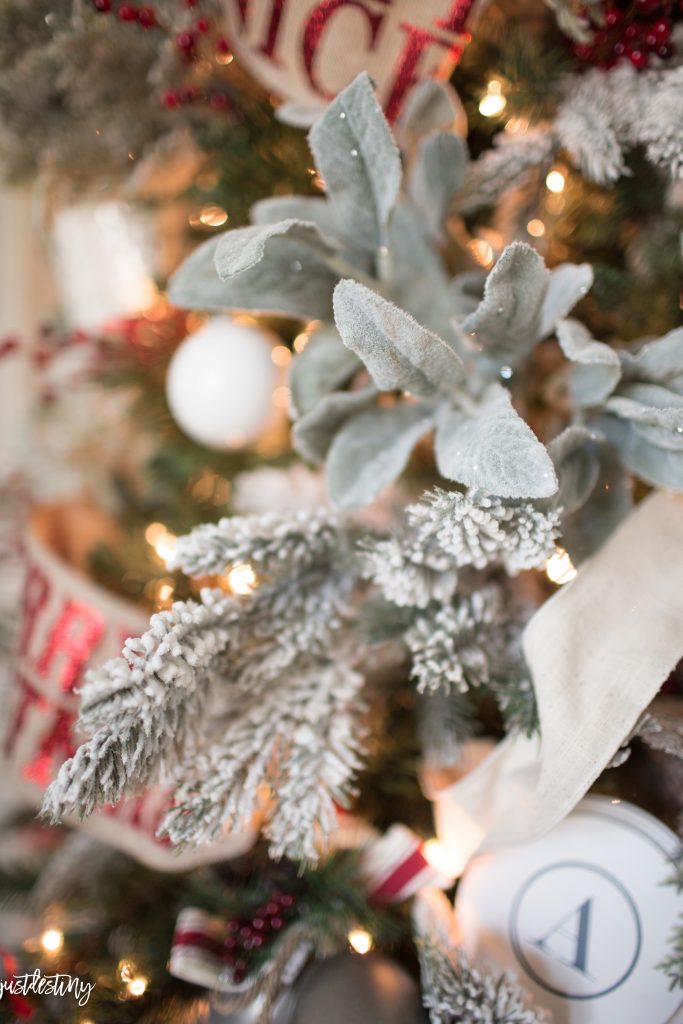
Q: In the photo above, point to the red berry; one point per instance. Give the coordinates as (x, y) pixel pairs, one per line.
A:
(191, 3)
(127, 12)
(630, 32)
(651, 40)
(647, 6)
(218, 101)
(272, 908)
(230, 944)
(287, 900)
(618, 49)
(188, 94)
(662, 28)
(665, 51)
(103, 6)
(223, 46)
(258, 924)
(202, 25)
(147, 17)
(276, 923)
(241, 966)
(583, 52)
(613, 16)
(185, 40)
(638, 58)
(257, 942)
(171, 100)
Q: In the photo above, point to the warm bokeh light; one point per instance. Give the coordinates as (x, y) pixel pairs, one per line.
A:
(536, 228)
(555, 181)
(360, 940)
(52, 940)
(242, 579)
(482, 251)
(212, 215)
(282, 397)
(559, 568)
(438, 857)
(162, 540)
(281, 355)
(493, 102)
(137, 986)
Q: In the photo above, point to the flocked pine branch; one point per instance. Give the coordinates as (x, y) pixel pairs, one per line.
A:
(296, 748)
(143, 710)
(456, 992)
(451, 644)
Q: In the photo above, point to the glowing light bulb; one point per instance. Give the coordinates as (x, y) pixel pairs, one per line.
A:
(555, 181)
(438, 856)
(52, 940)
(137, 986)
(559, 568)
(360, 940)
(493, 102)
(242, 578)
(536, 228)
(482, 251)
(162, 540)
(281, 355)
(212, 215)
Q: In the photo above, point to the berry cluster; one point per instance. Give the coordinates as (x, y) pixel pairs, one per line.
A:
(633, 30)
(195, 37)
(246, 936)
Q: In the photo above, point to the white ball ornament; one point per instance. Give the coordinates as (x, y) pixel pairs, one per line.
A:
(220, 383)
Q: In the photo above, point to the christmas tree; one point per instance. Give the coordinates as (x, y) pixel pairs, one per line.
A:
(419, 645)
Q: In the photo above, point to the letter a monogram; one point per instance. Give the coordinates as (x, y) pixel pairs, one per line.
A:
(567, 941)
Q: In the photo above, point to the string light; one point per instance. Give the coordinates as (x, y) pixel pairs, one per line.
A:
(482, 251)
(137, 987)
(438, 856)
(559, 568)
(555, 181)
(282, 397)
(360, 940)
(536, 228)
(212, 215)
(52, 940)
(301, 341)
(493, 102)
(162, 540)
(242, 579)
(281, 355)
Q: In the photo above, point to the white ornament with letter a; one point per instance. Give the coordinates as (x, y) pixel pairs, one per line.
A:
(306, 51)
(220, 383)
(581, 916)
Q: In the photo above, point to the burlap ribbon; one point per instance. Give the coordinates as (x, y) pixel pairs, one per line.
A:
(598, 651)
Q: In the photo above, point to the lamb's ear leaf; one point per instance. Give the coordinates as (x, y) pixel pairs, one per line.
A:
(431, 106)
(655, 413)
(659, 362)
(508, 319)
(278, 268)
(313, 434)
(494, 450)
(399, 353)
(437, 175)
(359, 162)
(577, 466)
(196, 284)
(323, 366)
(597, 367)
(567, 285)
(371, 450)
(662, 467)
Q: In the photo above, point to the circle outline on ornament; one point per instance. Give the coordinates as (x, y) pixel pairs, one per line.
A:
(517, 946)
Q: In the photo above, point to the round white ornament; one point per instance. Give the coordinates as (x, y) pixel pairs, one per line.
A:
(581, 916)
(220, 383)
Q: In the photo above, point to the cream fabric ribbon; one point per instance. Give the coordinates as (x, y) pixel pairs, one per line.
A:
(598, 652)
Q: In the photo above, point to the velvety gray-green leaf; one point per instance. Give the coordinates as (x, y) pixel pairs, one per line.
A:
(610, 501)
(494, 450)
(467, 290)
(655, 412)
(574, 456)
(598, 368)
(568, 284)
(278, 268)
(312, 435)
(662, 467)
(399, 353)
(371, 451)
(323, 366)
(659, 362)
(431, 106)
(416, 273)
(196, 284)
(310, 209)
(358, 160)
(437, 174)
(507, 321)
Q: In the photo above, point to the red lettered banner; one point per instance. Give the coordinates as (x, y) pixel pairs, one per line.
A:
(69, 625)
(306, 51)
